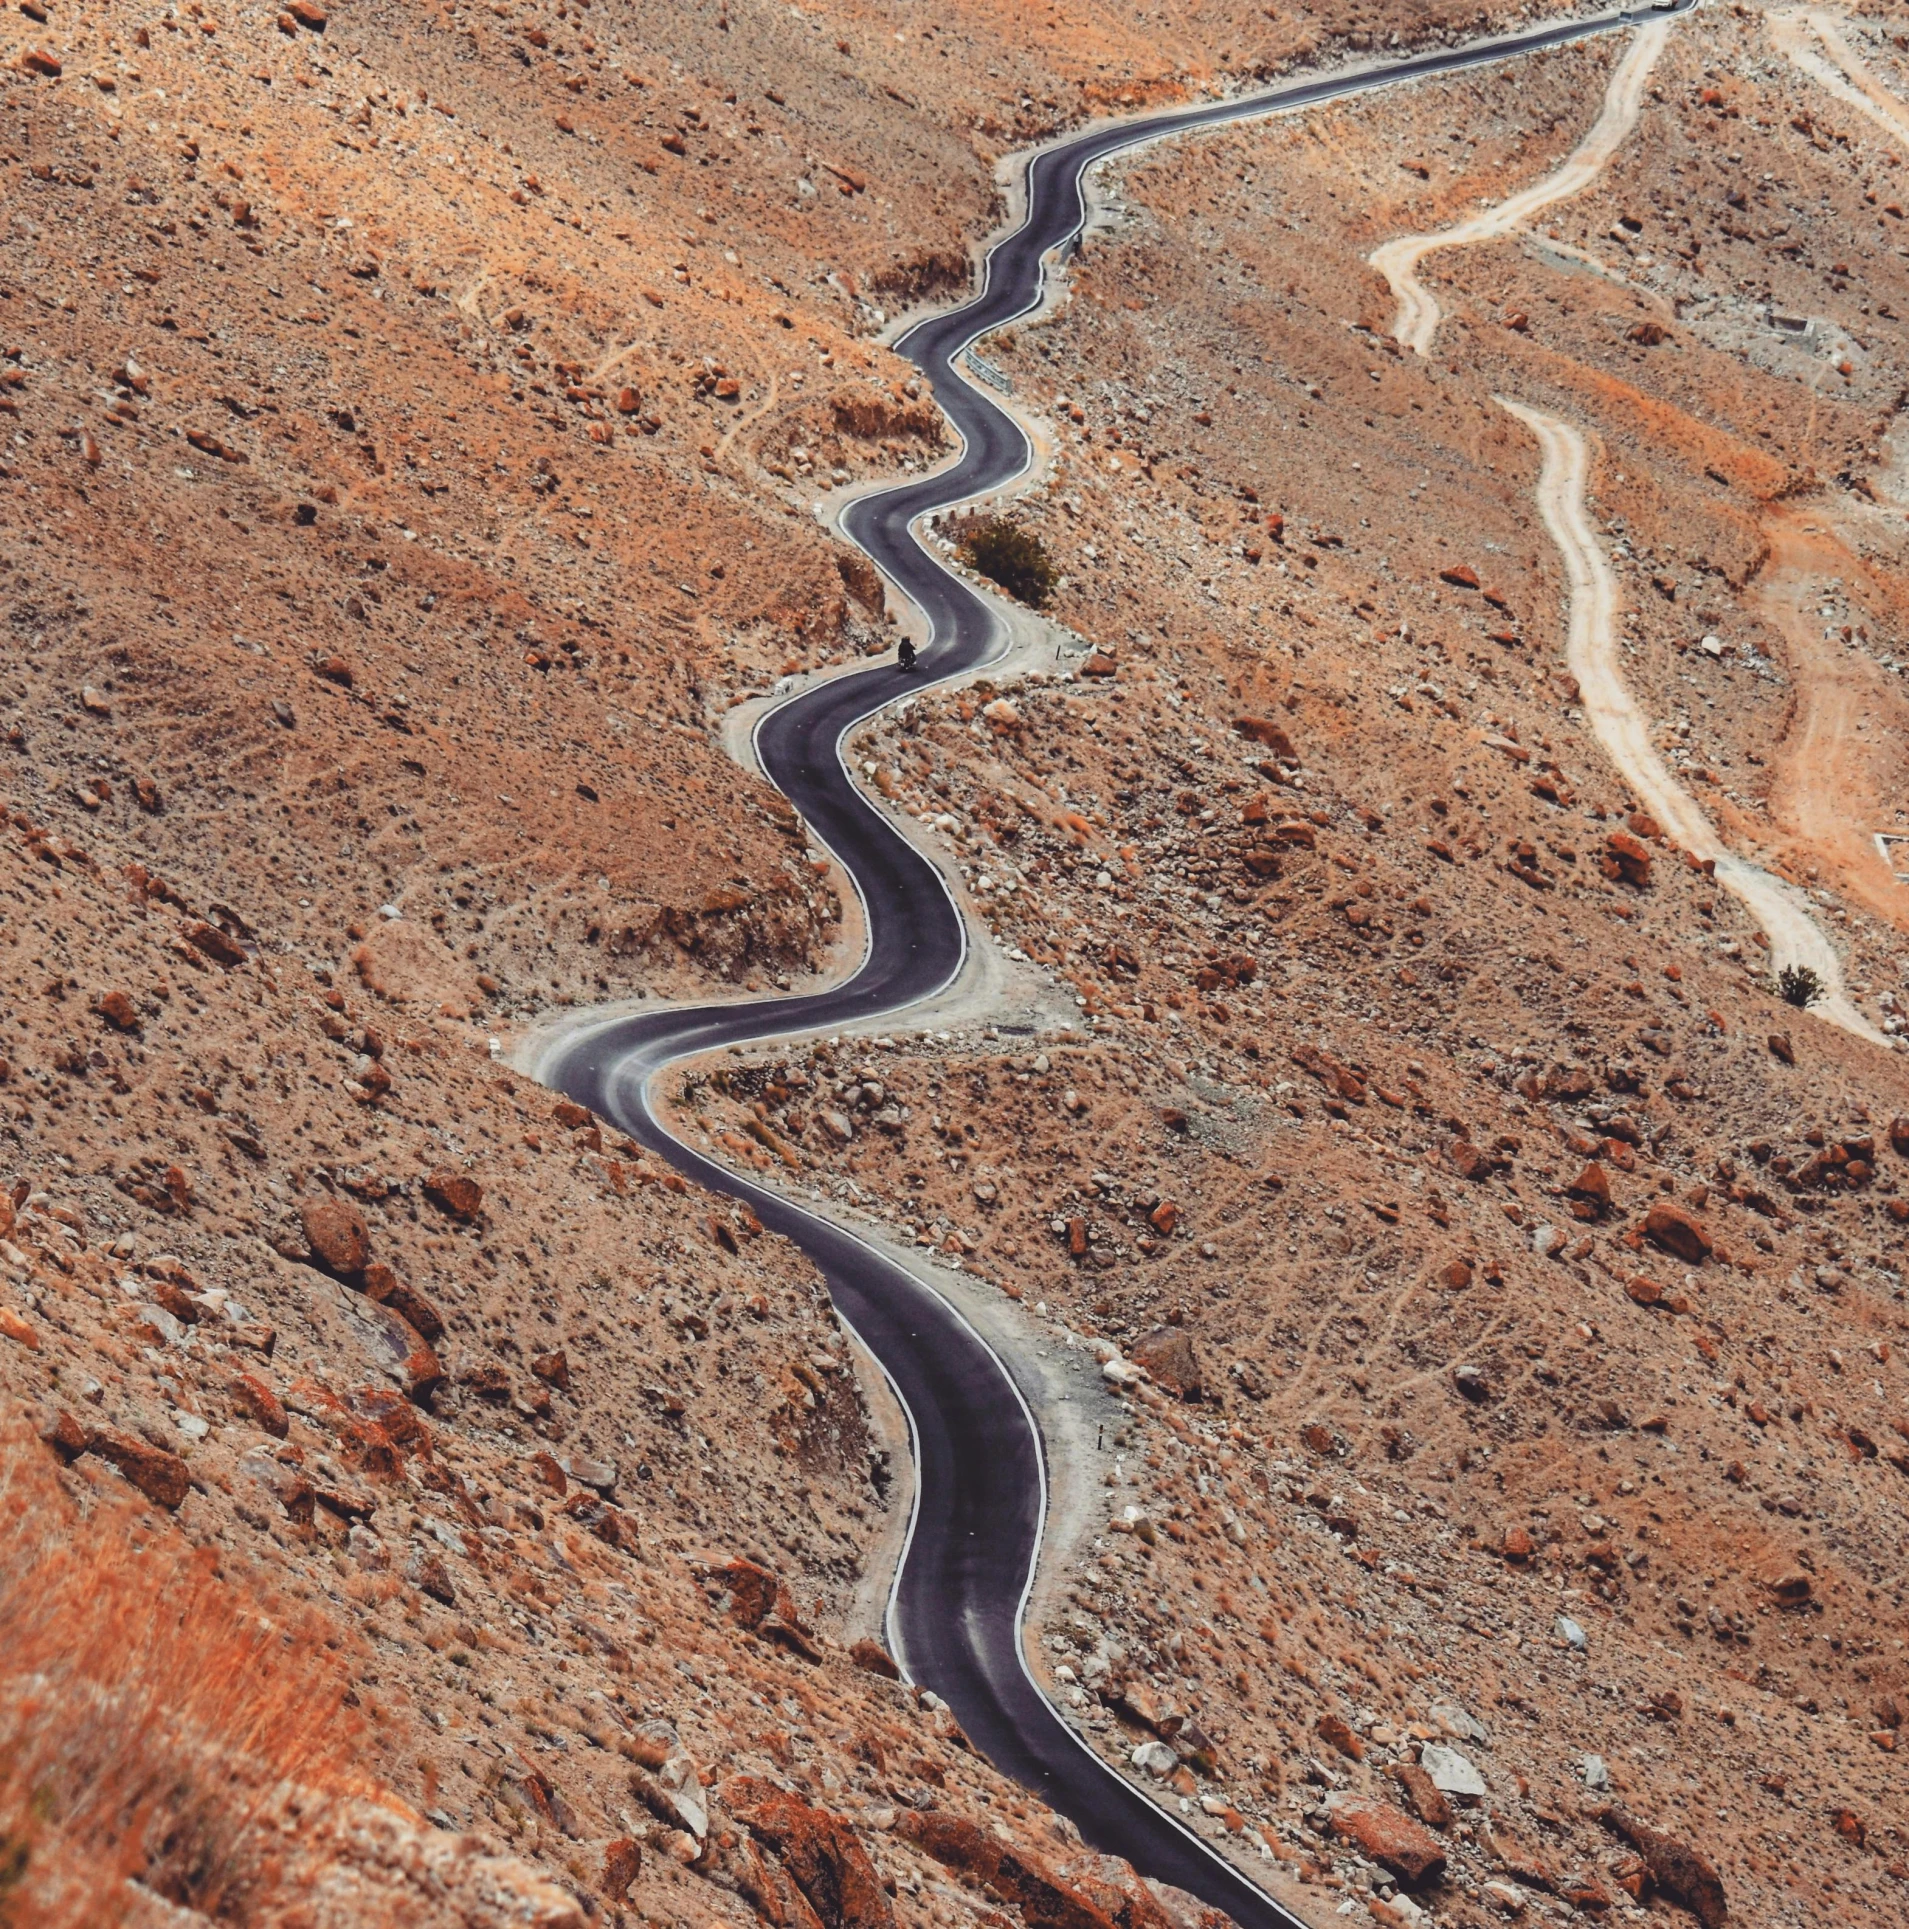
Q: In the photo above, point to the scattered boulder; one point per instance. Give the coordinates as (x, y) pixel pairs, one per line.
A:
(872, 1658)
(1389, 1837)
(1045, 1899)
(1781, 1049)
(822, 1854)
(1678, 1231)
(159, 1475)
(1170, 1358)
(118, 1010)
(1426, 1798)
(1452, 1773)
(1593, 1186)
(1625, 856)
(335, 1230)
(454, 1192)
(1683, 1874)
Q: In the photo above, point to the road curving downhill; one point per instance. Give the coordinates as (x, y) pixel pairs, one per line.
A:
(957, 1611)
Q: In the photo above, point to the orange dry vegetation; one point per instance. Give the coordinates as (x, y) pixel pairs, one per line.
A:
(148, 1712)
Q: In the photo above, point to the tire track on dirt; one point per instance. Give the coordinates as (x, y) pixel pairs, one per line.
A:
(1416, 323)
(1591, 653)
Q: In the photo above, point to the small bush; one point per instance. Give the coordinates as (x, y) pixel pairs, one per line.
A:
(1800, 986)
(1010, 556)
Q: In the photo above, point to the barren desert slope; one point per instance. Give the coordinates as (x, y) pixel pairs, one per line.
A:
(1475, 668)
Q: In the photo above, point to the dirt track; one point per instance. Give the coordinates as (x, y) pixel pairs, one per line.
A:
(1624, 731)
(1416, 323)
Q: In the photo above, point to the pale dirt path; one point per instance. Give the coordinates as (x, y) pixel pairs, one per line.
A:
(1842, 756)
(1418, 317)
(1591, 651)
(1843, 74)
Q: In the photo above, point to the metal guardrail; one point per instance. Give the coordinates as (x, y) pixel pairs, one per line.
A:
(987, 371)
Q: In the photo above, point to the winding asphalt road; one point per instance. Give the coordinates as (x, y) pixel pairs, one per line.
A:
(955, 1617)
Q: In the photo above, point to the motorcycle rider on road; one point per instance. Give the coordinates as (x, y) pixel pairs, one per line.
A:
(905, 655)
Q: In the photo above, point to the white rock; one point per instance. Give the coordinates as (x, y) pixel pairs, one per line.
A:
(1547, 1241)
(1596, 1775)
(1506, 1895)
(1459, 1723)
(1155, 1757)
(1451, 1772)
(1569, 1631)
(684, 1788)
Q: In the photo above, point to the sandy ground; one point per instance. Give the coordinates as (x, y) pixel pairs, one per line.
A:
(1624, 731)
(1843, 73)
(1842, 760)
(1416, 323)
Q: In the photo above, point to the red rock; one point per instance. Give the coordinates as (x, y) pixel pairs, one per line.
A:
(1100, 664)
(422, 1373)
(176, 1300)
(307, 13)
(1516, 1544)
(118, 1010)
(1460, 574)
(622, 1864)
(334, 669)
(821, 1853)
(1646, 1292)
(1593, 1185)
(1468, 1161)
(1427, 1799)
(159, 1475)
(36, 60)
(1169, 1355)
(384, 1286)
(570, 1115)
(553, 1369)
(64, 1434)
(1678, 1231)
(335, 1230)
(1899, 1135)
(1677, 1869)
(1627, 858)
(454, 1192)
(1045, 1898)
(1455, 1275)
(1316, 1437)
(259, 1404)
(1782, 1050)
(215, 944)
(14, 1327)
(1389, 1837)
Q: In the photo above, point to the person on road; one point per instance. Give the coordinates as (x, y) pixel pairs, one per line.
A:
(905, 655)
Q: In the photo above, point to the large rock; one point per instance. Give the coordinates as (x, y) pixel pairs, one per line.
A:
(1676, 1868)
(335, 1231)
(1627, 858)
(1678, 1232)
(454, 1192)
(1045, 1899)
(159, 1475)
(1389, 1837)
(821, 1853)
(1169, 1356)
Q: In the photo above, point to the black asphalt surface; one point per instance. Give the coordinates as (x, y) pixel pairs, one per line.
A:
(955, 1619)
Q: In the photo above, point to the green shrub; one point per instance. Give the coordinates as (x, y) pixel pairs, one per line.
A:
(1800, 986)
(1010, 556)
